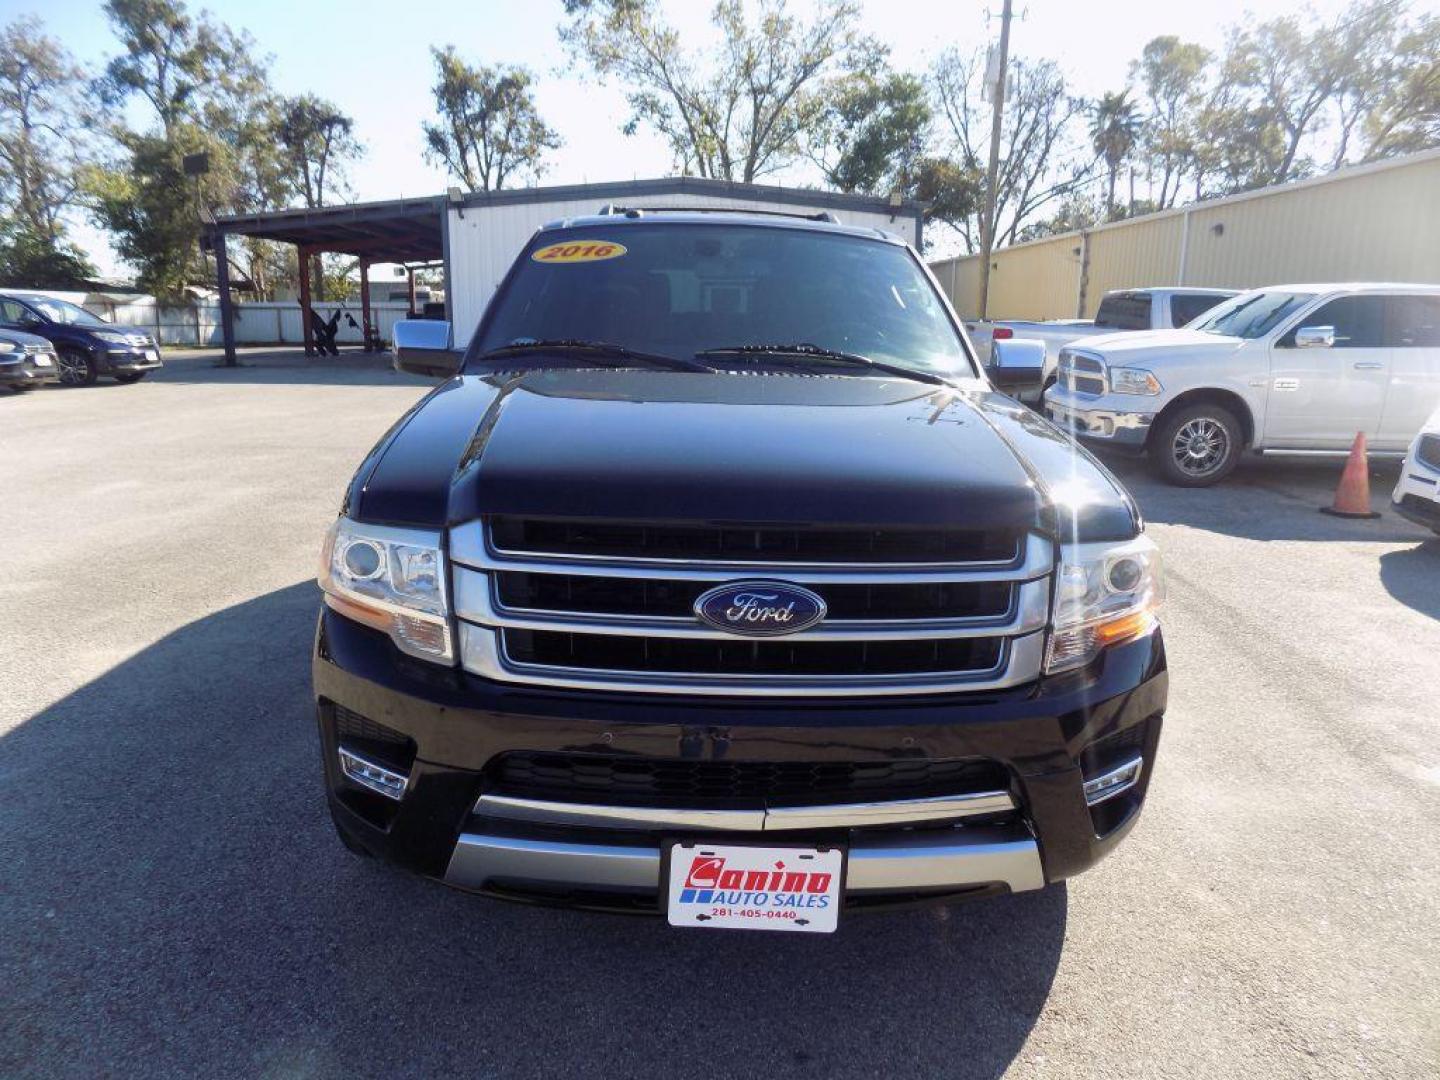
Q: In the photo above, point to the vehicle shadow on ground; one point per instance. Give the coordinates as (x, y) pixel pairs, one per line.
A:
(174, 902)
(1412, 576)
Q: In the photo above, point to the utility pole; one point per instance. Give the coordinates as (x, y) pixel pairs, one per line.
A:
(987, 220)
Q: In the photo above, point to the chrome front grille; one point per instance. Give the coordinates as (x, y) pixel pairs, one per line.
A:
(1081, 373)
(622, 618)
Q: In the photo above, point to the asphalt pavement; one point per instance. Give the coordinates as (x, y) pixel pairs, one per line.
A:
(173, 901)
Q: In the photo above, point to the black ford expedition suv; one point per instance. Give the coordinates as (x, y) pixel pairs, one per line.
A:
(717, 581)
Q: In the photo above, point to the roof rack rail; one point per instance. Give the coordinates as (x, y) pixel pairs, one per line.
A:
(610, 209)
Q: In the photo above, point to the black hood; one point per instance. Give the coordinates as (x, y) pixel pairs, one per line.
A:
(740, 448)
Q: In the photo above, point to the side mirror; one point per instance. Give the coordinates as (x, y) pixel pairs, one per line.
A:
(422, 347)
(1016, 363)
(1315, 337)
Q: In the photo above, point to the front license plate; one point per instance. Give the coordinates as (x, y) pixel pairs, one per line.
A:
(749, 887)
(151, 355)
(42, 360)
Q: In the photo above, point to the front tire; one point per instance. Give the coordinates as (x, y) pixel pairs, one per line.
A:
(128, 377)
(1196, 446)
(76, 369)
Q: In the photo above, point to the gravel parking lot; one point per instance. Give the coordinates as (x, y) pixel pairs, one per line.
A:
(173, 901)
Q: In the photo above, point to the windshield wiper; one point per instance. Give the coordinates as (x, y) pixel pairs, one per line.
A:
(819, 352)
(595, 350)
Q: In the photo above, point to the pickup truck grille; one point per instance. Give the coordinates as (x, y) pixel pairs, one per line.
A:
(1080, 373)
(616, 780)
(611, 607)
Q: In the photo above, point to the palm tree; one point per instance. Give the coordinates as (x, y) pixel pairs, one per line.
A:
(1114, 129)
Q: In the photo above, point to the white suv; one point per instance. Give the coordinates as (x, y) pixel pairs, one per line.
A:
(1289, 368)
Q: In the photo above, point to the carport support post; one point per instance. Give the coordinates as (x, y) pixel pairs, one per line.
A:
(227, 310)
(307, 334)
(365, 302)
(410, 285)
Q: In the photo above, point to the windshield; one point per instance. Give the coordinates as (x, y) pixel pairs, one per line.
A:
(61, 311)
(679, 290)
(1251, 315)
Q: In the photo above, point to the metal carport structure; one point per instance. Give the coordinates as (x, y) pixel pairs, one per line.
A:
(402, 231)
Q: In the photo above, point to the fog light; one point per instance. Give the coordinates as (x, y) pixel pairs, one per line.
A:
(1108, 785)
(377, 778)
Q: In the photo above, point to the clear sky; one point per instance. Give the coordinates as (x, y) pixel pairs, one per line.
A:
(372, 60)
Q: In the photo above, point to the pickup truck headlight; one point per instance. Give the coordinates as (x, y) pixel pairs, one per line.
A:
(7, 346)
(1134, 380)
(112, 338)
(391, 579)
(1105, 594)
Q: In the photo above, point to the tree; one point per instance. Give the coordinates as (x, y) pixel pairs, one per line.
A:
(1114, 130)
(872, 131)
(1172, 75)
(746, 110)
(1040, 159)
(1406, 115)
(1298, 73)
(208, 94)
(33, 260)
(43, 130)
(489, 129)
(316, 141)
(186, 68)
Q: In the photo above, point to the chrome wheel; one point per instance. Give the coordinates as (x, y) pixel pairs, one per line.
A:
(1201, 446)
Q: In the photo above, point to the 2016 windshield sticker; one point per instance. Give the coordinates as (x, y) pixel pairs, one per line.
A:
(583, 251)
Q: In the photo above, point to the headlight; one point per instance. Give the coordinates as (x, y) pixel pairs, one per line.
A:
(391, 579)
(1105, 594)
(1132, 380)
(111, 338)
(7, 346)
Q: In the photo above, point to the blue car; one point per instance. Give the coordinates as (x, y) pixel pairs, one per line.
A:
(86, 346)
(26, 361)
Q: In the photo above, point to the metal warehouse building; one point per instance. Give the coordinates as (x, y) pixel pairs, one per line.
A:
(1378, 222)
(475, 237)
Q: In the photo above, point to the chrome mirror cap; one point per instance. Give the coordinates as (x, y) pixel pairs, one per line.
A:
(422, 347)
(1315, 337)
(1011, 353)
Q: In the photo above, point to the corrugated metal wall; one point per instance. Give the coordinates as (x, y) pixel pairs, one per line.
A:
(1372, 223)
(485, 241)
(258, 323)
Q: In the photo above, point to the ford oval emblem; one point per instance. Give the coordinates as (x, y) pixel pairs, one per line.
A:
(760, 608)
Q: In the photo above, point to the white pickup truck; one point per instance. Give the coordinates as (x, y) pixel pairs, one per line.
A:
(1120, 310)
(1293, 368)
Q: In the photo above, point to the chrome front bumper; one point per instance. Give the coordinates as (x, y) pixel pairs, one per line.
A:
(881, 859)
(1125, 428)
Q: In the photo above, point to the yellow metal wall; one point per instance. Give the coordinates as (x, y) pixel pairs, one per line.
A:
(1146, 252)
(1036, 279)
(1381, 225)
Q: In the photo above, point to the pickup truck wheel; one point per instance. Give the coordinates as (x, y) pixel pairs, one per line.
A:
(1197, 446)
(76, 369)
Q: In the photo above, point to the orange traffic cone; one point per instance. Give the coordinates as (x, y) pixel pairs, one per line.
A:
(1352, 497)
